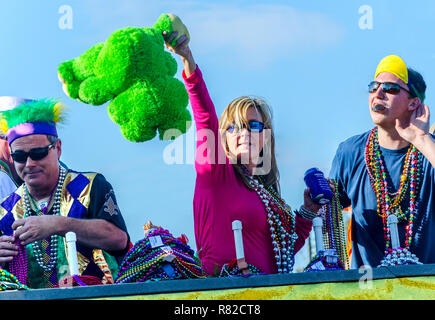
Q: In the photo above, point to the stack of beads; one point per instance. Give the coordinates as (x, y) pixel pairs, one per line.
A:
(231, 270)
(9, 282)
(398, 257)
(173, 259)
(18, 266)
(323, 262)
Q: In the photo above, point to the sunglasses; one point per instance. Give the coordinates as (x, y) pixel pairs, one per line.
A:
(253, 126)
(34, 154)
(388, 87)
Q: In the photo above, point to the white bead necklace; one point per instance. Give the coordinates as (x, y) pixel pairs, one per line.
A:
(284, 250)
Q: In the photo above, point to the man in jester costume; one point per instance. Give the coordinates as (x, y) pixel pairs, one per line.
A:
(53, 201)
(389, 170)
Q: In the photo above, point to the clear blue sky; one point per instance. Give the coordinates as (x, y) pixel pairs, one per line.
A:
(309, 59)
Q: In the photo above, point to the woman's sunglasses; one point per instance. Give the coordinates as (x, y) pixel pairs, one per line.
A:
(34, 154)
(253, 126)
(388, 87)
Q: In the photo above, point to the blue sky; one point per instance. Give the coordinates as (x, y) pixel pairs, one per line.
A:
(309, 59)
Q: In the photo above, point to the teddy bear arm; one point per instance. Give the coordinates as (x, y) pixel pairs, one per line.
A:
(174, 114)
(83, 66)
(94, 91)
(136, 112)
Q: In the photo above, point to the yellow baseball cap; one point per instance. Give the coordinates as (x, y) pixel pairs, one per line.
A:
(395, 65)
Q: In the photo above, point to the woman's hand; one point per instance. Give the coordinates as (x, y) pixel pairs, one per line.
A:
(181, 48)
(309, 204)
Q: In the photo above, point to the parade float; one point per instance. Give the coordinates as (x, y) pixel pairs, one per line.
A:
(162, 267)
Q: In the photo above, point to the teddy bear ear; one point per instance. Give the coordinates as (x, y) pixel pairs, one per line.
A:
(169, 22)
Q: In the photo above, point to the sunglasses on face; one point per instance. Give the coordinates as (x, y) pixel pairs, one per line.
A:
(34, 154)
(388, 87)
(253, 126)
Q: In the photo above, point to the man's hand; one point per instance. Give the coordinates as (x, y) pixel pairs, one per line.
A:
(417, 133)
(8, 250)
(32, 229)
(417, 127)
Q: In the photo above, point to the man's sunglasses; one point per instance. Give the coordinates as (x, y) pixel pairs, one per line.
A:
(388, 87)
(34, 154)
(253, 126)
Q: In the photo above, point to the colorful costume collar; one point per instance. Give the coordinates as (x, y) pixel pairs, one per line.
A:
(74, 204)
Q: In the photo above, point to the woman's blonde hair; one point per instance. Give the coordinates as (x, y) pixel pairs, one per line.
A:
(235, 113)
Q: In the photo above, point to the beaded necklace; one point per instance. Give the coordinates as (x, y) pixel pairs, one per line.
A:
(170, 259)
(18, 266)
(332, 255)
(231, 270)
(38, 250)
(281, 220)
(333, 228)
(10, 282)
(325, 260)
(387, 202)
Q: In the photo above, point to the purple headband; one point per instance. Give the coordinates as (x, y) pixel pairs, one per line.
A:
(26, 129)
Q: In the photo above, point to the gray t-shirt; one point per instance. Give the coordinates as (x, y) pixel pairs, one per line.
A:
(7, 186)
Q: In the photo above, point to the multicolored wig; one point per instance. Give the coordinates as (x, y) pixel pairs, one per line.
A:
(32, 117)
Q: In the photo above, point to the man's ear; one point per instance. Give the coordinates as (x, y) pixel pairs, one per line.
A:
(414, 104)
(59, 148)
(8, 148)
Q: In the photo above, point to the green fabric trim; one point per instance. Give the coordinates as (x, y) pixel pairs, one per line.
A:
(35, 274)
(112, 263)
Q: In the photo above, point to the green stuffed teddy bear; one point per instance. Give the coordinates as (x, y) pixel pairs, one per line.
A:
(133, 70)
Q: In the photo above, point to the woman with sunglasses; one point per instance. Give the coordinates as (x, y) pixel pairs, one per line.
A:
(237, 179)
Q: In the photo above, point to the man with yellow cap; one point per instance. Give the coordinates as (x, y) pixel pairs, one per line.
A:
(389, 170)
